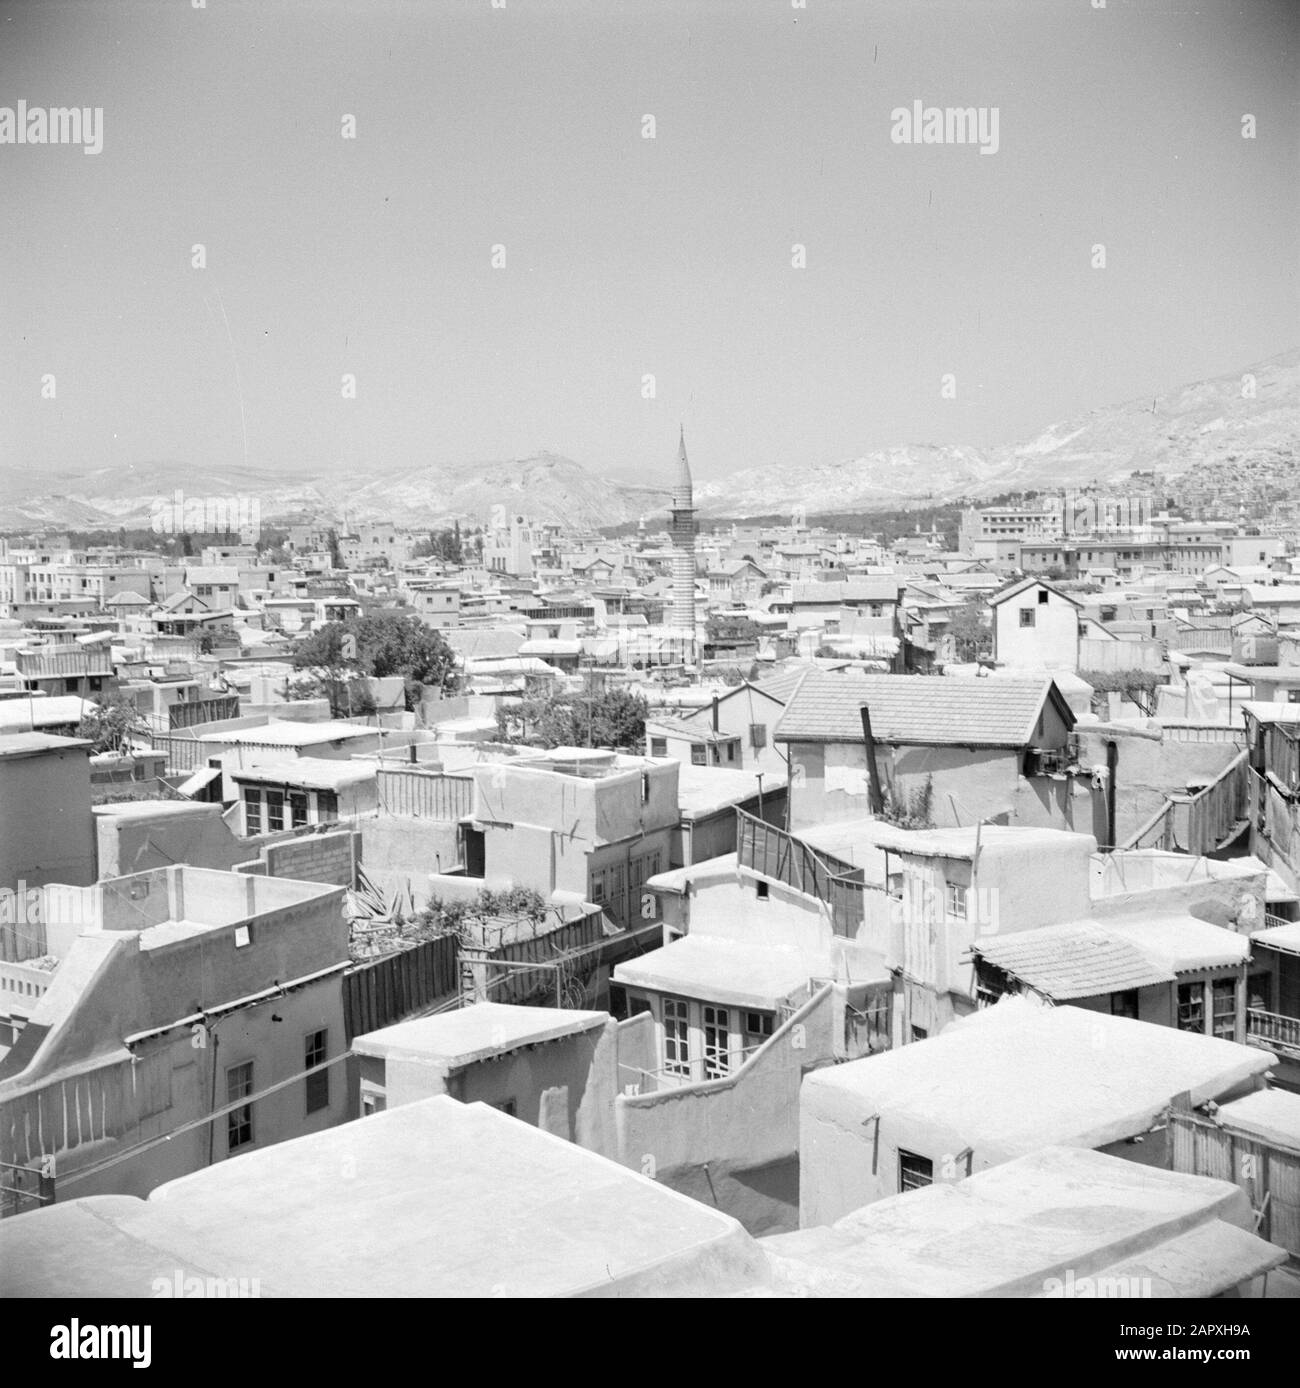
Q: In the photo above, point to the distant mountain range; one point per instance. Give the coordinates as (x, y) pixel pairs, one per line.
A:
(1211, 425)
(1208, 425)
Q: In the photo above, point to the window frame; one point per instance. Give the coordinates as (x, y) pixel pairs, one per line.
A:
(1193, 1009)
(715, 1031)
(239, 1121)
(1124, 1003)
(956, 906)
(316, 1044)
(1221, 988)
(676, 1014)
(915, 1172)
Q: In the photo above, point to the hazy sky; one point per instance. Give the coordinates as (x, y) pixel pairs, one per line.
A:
(522, 126)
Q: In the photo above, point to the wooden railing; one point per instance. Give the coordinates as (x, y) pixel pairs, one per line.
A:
(1157, 832)
(1282, 754)
(1202, 732)
(1200, 824)
(184, 753)
(424, 794)
(1213, 815)
(771, 851)
(1272, 1029)
(776, 854)
(193, 711)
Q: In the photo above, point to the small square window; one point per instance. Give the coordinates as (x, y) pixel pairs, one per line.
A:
(1042, 597)
(243, 936)
(658, 746)
(762, 889)
(1028, 617)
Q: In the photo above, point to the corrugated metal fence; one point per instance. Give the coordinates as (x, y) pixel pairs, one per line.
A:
(389, 989)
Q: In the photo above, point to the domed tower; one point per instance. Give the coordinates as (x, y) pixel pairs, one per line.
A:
(683, 535)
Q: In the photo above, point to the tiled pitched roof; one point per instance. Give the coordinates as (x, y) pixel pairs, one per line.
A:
(1075, 960)
(781, 686)
(924, 710)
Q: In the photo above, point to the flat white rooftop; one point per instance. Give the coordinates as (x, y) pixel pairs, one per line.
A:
(469, 1034)
(1044, 1225)
(292, 734)
(730, 972)
(312, 773)
(1270, 1114)
(432, 1199)
(1180, 943)
(1015, 1077)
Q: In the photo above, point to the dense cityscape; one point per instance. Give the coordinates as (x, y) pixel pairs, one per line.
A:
(649, 652)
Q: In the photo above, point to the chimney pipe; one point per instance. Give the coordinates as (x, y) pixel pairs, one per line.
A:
(875, 797)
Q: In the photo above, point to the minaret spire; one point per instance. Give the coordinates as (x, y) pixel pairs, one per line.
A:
(683, 533)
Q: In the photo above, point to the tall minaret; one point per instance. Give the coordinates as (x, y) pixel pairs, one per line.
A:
(683, 533)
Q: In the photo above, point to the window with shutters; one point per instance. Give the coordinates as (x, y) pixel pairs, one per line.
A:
(914, 1171)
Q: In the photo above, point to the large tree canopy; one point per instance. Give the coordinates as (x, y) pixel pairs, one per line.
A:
(381, 646)
(614, 719)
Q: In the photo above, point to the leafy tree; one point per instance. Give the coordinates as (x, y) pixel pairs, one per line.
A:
(380, 645)
(111, 724)
(971, 639)
(613, 719)
(221, 635)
